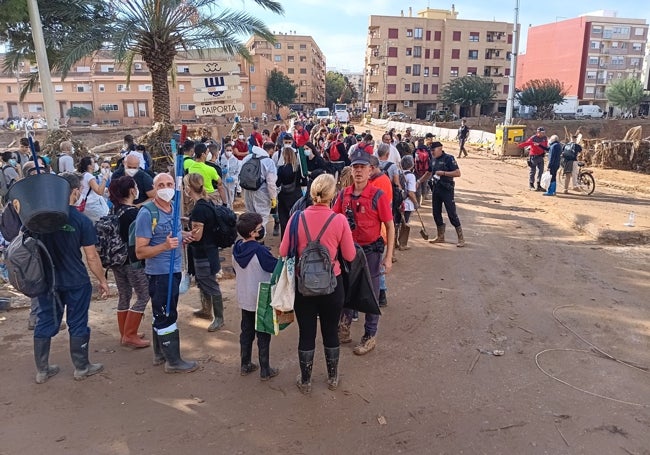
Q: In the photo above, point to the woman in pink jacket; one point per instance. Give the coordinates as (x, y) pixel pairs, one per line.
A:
(327, 308)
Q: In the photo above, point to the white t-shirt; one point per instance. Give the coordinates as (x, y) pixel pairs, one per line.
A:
(66, 164)
(410, 186)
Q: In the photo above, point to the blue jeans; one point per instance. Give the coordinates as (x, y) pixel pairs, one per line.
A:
(158, 285)
(76, 303)
(372, 320)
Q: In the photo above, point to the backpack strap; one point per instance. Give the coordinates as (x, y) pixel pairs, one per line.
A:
(322, 231)
(155, 214)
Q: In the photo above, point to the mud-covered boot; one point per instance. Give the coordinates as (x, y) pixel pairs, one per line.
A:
(303, 381)
(158, 356)
(44, 370)
(344, 332)
(216, 301)
(264, 348)
(440, 238)
(79, 353)
(206, 307)
(332, 361)
(461, 238)
(171, 347)
(246, 352)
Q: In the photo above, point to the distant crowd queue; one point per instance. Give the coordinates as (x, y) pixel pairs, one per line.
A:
(331, 193)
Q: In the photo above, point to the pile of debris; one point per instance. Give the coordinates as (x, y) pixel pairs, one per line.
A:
(631, 153)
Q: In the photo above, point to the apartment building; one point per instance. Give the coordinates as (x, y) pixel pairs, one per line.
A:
(99, 85)
(301, 60)
(410, 58)
(586, 53)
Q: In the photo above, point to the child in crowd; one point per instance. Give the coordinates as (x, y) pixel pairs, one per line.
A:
(253, 264)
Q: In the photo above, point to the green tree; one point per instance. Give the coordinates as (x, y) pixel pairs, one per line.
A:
(338, 89)
(280, 90)
(468, 91)
(625, 94)
(79, 112)
(542, 94)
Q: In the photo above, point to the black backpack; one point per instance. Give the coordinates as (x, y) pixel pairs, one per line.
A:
(569, 151)
(113, 251)
(399, 194)
(10, 223)
(315, 271)
(224, 230)
(250, 175)
(30, 266)
(4, 182)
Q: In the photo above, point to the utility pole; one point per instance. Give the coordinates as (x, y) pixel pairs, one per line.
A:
(384, 102)
(513, 68)
(51, 111)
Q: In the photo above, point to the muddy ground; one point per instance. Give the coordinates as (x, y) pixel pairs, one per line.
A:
(569, 313)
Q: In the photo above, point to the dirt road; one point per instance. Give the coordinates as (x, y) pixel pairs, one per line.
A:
(560, 305)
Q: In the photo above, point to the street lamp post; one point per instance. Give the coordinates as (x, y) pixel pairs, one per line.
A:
(513, 68)
(384, 102)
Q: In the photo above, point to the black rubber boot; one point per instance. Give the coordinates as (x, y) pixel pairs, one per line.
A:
(44, 370)
(332, 361)
(158, 356)
(206, 309)
(383, 301)
(246, 352)
(264, 348)
(306, 359)
(170, 344)
(216, 302)
(79, 353)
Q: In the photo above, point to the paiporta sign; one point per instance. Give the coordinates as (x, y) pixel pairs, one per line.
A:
(219, 109)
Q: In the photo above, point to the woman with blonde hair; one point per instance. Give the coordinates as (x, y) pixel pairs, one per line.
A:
(333, 232)
(289, 182)
(204, 250)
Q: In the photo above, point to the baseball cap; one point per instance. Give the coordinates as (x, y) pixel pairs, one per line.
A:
(541, 128)
(360, 157)
(435, 144)
(429, 135)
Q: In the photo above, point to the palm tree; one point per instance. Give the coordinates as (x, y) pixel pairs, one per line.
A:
(158, 29)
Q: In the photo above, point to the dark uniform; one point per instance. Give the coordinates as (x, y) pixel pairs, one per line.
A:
(443, 190)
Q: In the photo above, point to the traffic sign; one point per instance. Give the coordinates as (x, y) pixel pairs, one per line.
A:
(208, 97)
(215, 82)
(219, 109)
(201, 69)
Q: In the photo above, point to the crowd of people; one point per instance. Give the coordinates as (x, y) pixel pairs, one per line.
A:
(347, 190)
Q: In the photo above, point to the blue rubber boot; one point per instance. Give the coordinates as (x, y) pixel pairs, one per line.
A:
(551, 189)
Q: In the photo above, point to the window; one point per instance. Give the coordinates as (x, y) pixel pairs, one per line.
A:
(594, 44)
(435, 71)
(123, 88)
(303, 47)
(434, 89)
(35, 107)
(83, 69)
(591, 75)
(290, 47)
(509, 38)
(456, 36)
(107, 69)
(253, 88)
(455, 54)
(182, 69)
(638, 31)
(590, 90)
(615, 44)
(407, 87)
(278, 45)
(137, 66)
(634, 62)
(392, 71)
(391, 89)
(508, 55)
(415, 87)
(142, 109)
(251, 68)
(8, 88)
(303, 70)
(101, 88)
(472, 55)
(392, 52)
(507, 72)
(437, 35)
(254, 106)
(187, 107)
(110, 107)
(303, 82)
(474, 37)
(597, 30)
(58, 89)
(82, 88)
(618, 60)
(417, 33)
(277, 58)
(506, 89)
(409, 33)
(471, 71)
(407, 70)
(291, 71)
(427, 53)
(303, 94)
(393, 33)
(426, 71)
(637, 46)
(428, 35)
(290, 58)
(436, 54)
(145, 88)
(425, 89)
(303, 59)
(454, 71)
(409, 51)
(417, 70)
(181, 87)
(417, 51)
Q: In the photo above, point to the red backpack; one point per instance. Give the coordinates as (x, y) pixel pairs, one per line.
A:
(333, 151)
(422, 162)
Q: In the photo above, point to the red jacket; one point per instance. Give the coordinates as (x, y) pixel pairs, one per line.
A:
(535, 143)
(370, 209)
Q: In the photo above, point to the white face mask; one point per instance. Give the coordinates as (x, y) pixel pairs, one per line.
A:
(95, 167)
(130, 172)
(209, 157)
(72, 150)
(307, 152)
(228, 154)
(166, 194)
(137, 194)
(241, 137)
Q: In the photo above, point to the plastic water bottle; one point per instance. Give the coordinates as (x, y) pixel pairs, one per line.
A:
(630, 219)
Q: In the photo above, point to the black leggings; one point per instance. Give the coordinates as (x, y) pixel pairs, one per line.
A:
(326, 307)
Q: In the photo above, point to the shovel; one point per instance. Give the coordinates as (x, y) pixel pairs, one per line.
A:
(423, 231)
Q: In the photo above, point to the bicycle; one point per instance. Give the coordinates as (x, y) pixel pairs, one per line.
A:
(585, 179)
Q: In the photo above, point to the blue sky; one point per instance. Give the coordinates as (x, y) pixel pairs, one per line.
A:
(340, 31)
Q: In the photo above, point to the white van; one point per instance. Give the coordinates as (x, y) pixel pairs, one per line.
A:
(322, 113)
(589, 111)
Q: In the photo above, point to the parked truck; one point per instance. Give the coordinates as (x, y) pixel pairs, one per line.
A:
(341, 113)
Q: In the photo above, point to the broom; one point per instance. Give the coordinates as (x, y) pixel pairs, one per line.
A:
(423, 231)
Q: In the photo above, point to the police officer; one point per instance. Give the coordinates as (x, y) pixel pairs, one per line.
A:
(442, 172)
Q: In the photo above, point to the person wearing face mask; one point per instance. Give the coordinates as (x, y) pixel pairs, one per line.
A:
(92, 191)
(230, 167)
(128, 279)
(289, 181)
(314, 160)
(155, 245)
(9, 173)
(240, 146)
(209, 174)
(264, 198)
(66, 162)
(131, 167)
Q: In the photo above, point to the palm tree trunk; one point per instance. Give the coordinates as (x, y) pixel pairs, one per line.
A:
(159, 64)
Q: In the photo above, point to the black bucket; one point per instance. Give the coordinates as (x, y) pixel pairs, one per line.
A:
(41, 201)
